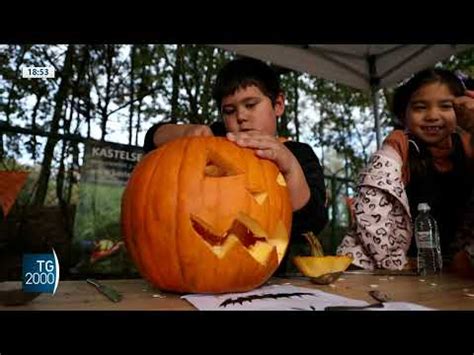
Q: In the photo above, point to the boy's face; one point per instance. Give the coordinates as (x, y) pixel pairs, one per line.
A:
(430, 114)
(248, 109)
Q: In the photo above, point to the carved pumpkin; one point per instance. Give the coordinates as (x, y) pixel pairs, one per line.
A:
(203, 215)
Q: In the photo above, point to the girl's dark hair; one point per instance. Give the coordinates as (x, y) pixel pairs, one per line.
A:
(404, 92)
(244, 72)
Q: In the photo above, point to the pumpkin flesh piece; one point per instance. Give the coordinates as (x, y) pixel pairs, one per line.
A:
(315, 266)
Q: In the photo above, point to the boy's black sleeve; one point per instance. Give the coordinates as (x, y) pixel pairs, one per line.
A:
(314, 215)
(148, 144)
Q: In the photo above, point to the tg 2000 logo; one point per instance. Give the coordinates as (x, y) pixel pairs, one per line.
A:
(40, 272)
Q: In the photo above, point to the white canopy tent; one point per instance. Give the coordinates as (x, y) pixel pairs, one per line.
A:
(361, 66)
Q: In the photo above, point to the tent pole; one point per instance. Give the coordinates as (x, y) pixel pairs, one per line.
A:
(375, 102)
(374, 88)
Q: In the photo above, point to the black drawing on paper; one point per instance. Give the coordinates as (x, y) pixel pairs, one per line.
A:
(241, 300)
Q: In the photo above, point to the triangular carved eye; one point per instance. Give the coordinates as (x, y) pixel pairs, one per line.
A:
(259, 196)
(281, 180)
(217, 166)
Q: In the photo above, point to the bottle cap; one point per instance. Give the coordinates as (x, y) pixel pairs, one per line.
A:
(423, 207)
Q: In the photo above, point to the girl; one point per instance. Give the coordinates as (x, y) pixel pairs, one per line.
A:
(430, 161)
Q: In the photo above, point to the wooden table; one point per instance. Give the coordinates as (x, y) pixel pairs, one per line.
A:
(445, 292)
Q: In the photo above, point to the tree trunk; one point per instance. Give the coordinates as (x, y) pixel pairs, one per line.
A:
(346, 174)
(109, 54)
(74, 166)
(61, 171)
(206, 96)
(60, 176)
(88, 116)
(132, 93)
(295, 108)
(19, 62)
(60, 97)
(33, 125)
(176, 83)
(7, 109)
(193, 114)
(320, 130)
(137, 127)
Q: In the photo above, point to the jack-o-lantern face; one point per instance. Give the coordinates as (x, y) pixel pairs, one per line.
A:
(203, 215)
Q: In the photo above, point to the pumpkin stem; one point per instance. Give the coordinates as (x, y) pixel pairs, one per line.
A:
(314, 244)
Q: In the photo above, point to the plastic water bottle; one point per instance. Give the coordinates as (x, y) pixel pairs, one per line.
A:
(429, 259)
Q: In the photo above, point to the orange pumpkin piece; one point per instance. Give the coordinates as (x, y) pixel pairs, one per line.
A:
(11, 182)
(321, 269)
(316, 266)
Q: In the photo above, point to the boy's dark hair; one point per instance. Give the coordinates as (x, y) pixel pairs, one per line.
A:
(244, 72)
(404, 92)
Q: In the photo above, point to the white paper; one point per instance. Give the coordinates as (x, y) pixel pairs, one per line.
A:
(274, 297)
(283, 298)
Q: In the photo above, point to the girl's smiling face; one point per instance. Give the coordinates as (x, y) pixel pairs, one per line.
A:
(430, 113)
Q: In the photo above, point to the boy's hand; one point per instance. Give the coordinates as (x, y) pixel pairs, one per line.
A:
(464, 108)
(266, 147)
(269, 147)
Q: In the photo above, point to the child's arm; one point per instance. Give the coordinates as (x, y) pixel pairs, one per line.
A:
(169, 132)
(314, 215)
(160, 134)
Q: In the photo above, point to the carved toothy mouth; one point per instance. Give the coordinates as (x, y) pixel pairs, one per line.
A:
(245, 232)
(240, 230)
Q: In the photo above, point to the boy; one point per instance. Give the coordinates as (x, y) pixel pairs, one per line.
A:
(250, 100)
